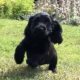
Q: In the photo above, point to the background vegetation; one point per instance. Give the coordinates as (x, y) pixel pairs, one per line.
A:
(15, 8)
(11, 33)
(67, 11)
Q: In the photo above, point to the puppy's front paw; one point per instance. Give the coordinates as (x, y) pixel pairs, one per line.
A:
(54, 70)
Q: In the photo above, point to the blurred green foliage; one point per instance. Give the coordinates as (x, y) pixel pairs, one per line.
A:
(14, 8)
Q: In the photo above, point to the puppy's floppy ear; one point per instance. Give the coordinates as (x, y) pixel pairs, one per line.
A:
(27, 29)
(56, 35)
(55, 24)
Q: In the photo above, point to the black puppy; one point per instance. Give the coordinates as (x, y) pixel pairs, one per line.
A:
(40, 33)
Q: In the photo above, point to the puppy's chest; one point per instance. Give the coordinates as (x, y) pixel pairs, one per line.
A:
(38, 47)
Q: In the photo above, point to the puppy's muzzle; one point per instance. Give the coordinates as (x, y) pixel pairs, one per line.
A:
(41, 29)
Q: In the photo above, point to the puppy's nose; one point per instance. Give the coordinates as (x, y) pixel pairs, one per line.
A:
(42, 28)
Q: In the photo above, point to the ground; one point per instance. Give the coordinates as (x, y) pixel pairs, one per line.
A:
(11, 33)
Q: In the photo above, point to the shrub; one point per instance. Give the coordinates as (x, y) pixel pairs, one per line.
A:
(15, 8)
(74, 21)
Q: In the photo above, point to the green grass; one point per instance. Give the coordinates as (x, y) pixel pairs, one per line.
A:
(11, 33)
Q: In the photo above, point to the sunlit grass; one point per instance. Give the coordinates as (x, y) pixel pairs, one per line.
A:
(11, 33)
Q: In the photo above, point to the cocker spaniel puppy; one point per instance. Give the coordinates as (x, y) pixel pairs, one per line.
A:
(41, 33)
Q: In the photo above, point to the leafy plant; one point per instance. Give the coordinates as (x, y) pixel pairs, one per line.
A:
(15, 8)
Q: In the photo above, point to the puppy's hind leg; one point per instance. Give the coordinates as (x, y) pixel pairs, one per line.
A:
(20, 51)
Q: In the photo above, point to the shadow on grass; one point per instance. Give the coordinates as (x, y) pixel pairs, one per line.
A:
(22, 72)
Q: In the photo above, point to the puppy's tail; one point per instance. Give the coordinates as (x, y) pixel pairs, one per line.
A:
(20, 52)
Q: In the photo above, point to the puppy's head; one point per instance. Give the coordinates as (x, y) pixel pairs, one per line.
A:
(40, 24)
(56, 35)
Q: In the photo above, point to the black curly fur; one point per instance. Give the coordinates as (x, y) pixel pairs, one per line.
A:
(40, 34)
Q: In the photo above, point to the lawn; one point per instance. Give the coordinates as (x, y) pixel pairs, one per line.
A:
(68, 68)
